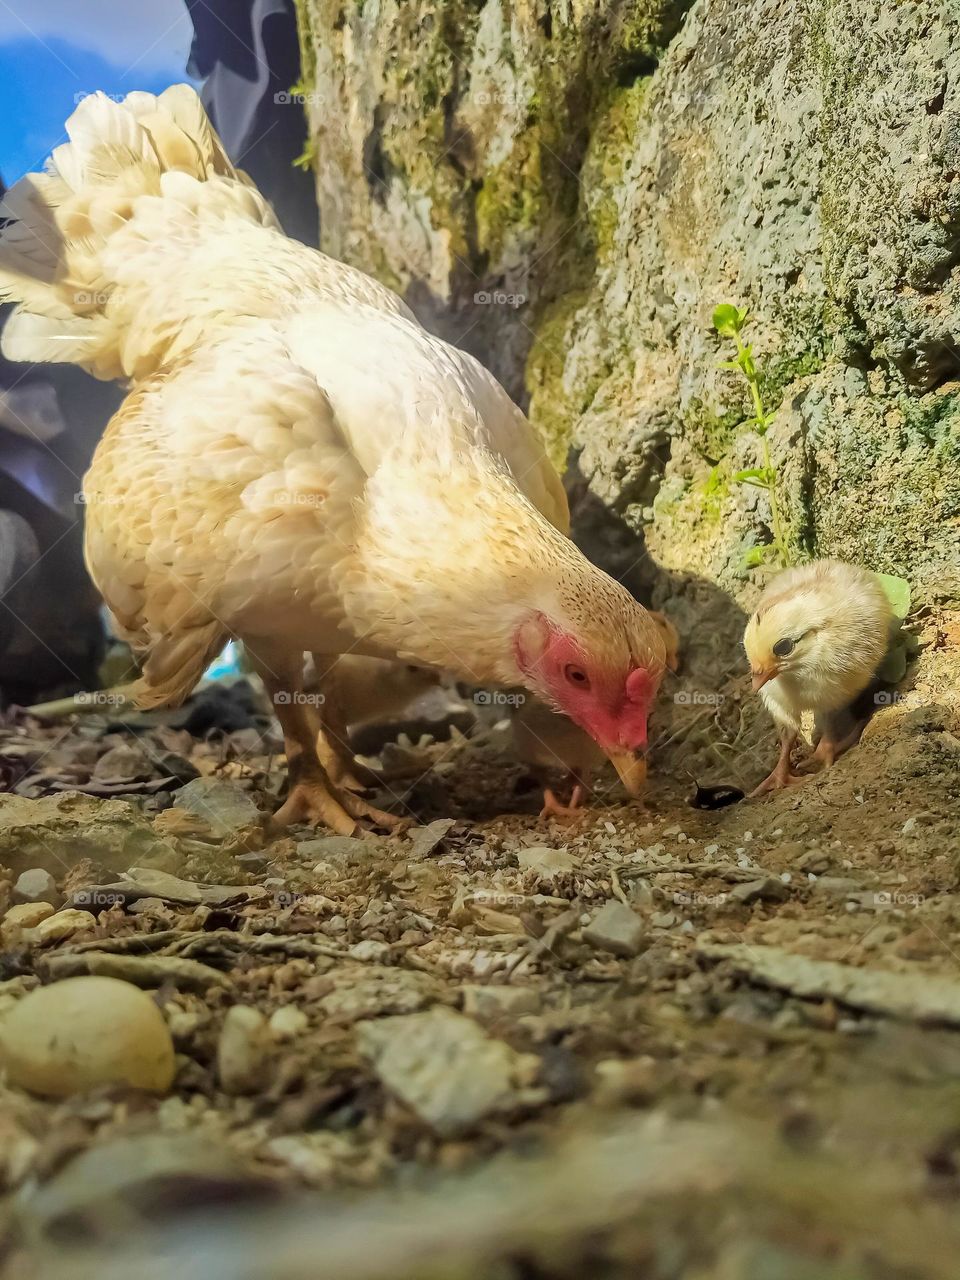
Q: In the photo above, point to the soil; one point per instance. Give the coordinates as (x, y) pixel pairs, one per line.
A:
(696, 1103)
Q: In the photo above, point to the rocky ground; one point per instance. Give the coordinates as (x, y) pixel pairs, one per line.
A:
(660, 1040)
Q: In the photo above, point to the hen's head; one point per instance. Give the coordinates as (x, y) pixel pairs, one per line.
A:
(596, 655)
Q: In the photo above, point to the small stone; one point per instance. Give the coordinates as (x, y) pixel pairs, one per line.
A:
(711, 849)
(26, 916)
(63, 924)
(369, 949)
(499, 1002)
(221, 802)
(424, 840)
(37, 885)
(122, 764)
(85, 1032)
(345, 851)
(815, 860)
(663, 920)
(446, 1069)
(617, 929)
(546, 863)
(242, 1055)
(287, 1022)
(635, 1081)
(837, 886)
(909, 826)
(769, 889)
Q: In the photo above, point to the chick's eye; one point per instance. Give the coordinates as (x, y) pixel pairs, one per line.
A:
(783, 647)
(577, 675)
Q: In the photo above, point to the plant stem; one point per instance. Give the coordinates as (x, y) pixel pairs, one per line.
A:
(771, 476)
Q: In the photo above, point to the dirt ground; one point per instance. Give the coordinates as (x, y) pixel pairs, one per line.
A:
(754, 1074)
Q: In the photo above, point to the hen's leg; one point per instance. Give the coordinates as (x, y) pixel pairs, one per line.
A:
(333, 742)
(781, 775)
(312, 797)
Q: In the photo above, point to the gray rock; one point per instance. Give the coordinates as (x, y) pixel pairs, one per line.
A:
(37, 885)
(617, 929)
(769, 889)
(221, 802)
(445, 1068)
(55, 832)
(425, 839)
(339, 850)
(499, 1002)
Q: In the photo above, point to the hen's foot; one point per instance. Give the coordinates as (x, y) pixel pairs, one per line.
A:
(554, 808)
(316, 801)
(313, 801)
(776, 781)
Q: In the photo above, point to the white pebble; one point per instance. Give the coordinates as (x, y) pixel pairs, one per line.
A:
(287, 1022)
(711, 849)
(748, 835)
(786, 877)
(610, 828)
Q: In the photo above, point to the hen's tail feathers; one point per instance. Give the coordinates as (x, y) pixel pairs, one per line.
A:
(176, 663)
(55, 254)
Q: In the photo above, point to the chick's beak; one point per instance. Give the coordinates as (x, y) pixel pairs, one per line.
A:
(762, 674)
(632, 769)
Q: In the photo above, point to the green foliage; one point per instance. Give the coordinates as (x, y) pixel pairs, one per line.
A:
(729, 322)
(897, 591)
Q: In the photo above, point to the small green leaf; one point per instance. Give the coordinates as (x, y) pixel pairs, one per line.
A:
(726, 320)
(897, 592)
(755, 557)
(728, 364)
(749, 473)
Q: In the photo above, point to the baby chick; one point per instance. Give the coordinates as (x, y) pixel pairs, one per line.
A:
(549, 741)
(814, 643)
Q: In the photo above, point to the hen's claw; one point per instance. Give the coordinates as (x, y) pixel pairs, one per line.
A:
(777, 781)
(312, 801)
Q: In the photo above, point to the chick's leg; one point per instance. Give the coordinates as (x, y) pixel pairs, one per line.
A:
(312, 796)
(830, 748)
(555, 808)
(781, 776)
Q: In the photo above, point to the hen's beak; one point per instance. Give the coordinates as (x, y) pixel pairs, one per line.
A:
(762, 675)
(632, 769)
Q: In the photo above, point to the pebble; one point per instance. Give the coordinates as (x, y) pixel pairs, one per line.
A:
(446, 1069)
(711, 849)
(242, 1055)
(37, 885)
(63, 924)
(769, 889)
(617, 929)
(85, 1032)
(369, 949)
(221, 803)
(545, 863)
(25, 916)
(497, 1002)
(287, 1022)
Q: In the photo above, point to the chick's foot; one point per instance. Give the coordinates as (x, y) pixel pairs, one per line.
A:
(776, 781)
(554, 808)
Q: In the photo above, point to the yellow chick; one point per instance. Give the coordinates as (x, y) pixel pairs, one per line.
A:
(815, 642)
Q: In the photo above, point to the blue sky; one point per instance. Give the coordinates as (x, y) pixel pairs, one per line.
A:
(53, 51)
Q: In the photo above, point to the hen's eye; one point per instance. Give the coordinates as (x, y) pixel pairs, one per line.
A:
(783, 647)
(577, 675)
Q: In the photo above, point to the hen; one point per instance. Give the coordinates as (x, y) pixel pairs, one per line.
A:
(298, 463)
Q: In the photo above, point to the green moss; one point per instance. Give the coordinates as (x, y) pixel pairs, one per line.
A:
(551, 406)
(611, 145)
(511, 199)
(711, 434)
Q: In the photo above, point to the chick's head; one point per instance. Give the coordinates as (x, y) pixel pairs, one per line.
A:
(823, 627)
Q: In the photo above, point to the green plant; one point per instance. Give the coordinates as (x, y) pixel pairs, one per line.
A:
(729, 322)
